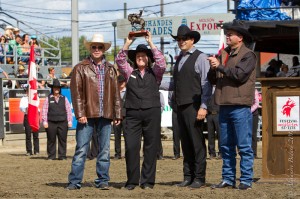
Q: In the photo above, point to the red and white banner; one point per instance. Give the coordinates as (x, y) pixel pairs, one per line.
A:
(222, 41)
(33, 98)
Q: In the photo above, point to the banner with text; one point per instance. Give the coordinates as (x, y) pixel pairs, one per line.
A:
(164, 26)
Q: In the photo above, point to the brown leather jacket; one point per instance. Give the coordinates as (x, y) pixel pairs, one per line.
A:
(85, 95)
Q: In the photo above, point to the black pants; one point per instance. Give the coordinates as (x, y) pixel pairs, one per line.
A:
(146, 123)
(118, 132)
(59, 130)
(213, 130)
(94, 148)
(35, 135)
(176, 135)
(254, 133)
(192, 142)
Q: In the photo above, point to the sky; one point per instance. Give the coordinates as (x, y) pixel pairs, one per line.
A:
(53, 17)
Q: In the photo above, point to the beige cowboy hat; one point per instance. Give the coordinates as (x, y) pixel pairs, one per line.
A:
(16, 29)
(97, 38)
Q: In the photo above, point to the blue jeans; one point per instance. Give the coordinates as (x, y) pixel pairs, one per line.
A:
(236, 131)
(84, 134)
(25, 59)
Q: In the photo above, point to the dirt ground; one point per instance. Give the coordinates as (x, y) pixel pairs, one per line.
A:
(35, 177)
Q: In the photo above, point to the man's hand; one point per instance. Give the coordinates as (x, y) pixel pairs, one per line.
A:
(214, 62)
(82, 120)
(46, 125)
(201, 114)
(117, 122)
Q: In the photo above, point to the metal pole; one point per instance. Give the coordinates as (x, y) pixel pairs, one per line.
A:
(75, 40)
(1, 111)
(162, 14)
(299, 42)
(125, 16)
(115, 43)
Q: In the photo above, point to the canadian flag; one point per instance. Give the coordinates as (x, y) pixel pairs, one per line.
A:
(222, 41)
(33, 98)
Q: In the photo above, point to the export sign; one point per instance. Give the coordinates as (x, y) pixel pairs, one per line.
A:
(164, 26)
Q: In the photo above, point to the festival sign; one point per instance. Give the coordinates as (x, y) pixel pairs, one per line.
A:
(287, 113)
(164, 26)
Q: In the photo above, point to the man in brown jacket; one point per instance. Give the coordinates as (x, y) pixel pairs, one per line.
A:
(96, 102)
(234, 76)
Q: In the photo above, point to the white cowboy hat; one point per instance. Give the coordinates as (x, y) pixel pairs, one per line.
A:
(97, 38)
(9, 27)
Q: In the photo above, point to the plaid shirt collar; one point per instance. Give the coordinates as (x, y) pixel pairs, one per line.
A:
(102, 64)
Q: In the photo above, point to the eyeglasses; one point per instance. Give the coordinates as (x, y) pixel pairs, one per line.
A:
(97, 47)
(184, 38)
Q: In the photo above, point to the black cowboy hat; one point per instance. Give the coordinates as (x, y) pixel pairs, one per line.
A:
(241, 28)
(140, 48)
(183, 30)
(55, 83)
(121, 78)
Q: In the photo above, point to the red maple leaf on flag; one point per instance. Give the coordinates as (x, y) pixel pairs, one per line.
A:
(33, 84)
(33, 100)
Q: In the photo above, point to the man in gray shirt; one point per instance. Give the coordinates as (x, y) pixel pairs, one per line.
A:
(192, 92)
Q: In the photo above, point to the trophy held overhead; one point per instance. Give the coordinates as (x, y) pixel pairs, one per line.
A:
(135, 19)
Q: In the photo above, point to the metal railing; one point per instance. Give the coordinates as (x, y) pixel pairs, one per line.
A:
(43, 58)
(50, 46)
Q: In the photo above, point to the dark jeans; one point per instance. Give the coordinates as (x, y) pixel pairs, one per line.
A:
(35, 135)
(213, 131)
(254, 132)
